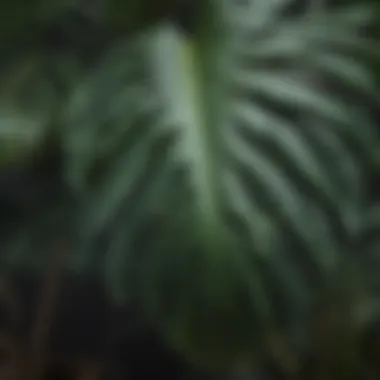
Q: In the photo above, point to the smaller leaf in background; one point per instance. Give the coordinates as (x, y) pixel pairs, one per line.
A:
(28, 101)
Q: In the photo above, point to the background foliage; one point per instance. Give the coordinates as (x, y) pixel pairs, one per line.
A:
(228, 187)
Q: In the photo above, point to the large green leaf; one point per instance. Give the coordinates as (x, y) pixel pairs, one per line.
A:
(247, 153)
(242, 111)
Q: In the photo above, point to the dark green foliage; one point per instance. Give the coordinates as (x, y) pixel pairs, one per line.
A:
(85, 326)
(227, 188)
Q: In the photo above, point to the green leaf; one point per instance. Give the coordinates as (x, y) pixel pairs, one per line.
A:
(238, 121)
(249, 153)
